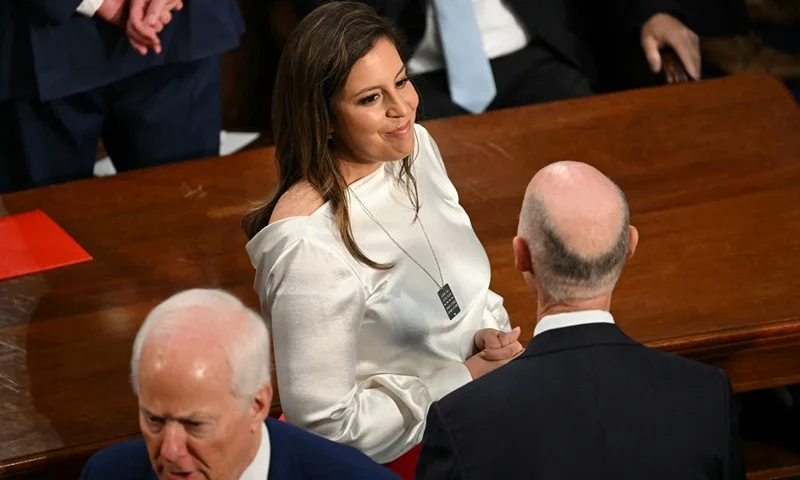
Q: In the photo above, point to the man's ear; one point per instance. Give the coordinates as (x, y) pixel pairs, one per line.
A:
(633, 240)
(261, 404)
(522, 255)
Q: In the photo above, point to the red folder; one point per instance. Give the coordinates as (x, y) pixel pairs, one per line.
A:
(32, 242)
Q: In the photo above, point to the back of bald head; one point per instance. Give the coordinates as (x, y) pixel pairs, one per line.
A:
(575, 222)
(202, 323)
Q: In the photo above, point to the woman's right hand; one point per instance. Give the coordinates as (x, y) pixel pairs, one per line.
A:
(485, 361)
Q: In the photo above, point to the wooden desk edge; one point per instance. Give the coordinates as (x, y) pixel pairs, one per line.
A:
(774, 334)
(61, 455)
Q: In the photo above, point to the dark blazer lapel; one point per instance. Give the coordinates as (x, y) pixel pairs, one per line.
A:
(579, 336)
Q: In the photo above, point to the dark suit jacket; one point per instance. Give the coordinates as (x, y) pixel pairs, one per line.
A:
(48, 51)
(571, 27)
(295, 455)
(587, 402)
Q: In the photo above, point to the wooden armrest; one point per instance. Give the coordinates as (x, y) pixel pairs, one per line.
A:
(672, 67)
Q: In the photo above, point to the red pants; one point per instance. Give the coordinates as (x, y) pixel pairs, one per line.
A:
(406, 464)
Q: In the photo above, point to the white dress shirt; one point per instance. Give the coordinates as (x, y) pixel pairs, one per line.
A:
(259, 467)
(501, 33)
(89, 7)
(572, 319)
(361, 353)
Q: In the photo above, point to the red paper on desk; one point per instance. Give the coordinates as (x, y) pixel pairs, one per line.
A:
(32, 242)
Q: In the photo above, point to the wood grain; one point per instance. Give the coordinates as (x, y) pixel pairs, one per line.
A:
(710, 170)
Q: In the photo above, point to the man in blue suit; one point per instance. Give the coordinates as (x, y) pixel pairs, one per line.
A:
(200, 369)
(69, 75)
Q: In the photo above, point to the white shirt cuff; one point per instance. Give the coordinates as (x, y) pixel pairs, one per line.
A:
(89, 7)
(446, 380)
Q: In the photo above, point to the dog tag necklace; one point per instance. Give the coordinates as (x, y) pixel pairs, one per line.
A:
(445, 294)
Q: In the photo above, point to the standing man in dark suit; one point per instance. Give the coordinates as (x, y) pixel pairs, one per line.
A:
(70, 75)
(469, 56)
(583, 400)
(200, 369)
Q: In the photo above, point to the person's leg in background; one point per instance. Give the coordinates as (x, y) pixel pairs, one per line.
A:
(166, 114)
(44, 143)
(434, 96)
(536, 74)
(529, 76)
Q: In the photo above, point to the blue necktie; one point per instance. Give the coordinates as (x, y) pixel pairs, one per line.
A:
(468, 70)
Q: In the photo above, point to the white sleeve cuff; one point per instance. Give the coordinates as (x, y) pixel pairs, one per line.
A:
(446, 380)
(89, 7)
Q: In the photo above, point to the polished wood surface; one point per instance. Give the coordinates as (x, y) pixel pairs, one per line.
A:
(710, 170)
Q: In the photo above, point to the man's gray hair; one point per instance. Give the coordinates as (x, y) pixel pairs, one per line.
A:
(564, 274)
(247, 350)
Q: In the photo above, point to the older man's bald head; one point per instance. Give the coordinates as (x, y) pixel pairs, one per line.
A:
(575, 223)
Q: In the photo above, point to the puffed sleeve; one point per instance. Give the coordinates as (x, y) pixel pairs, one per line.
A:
(316, 305)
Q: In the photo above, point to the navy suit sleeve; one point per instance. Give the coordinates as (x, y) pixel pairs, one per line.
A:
(439, 458)
(734, 463)
(55, 11)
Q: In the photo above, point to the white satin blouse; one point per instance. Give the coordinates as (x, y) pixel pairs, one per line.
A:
(360, 353)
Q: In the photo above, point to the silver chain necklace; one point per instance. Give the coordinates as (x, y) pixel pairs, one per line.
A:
(445, 294)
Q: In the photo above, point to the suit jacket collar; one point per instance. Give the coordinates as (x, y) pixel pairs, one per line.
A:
(579, 336)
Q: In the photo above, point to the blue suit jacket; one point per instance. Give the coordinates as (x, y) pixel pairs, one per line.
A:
(48, 51)
(295, 455)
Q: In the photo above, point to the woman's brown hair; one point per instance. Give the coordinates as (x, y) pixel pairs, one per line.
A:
(314, 67)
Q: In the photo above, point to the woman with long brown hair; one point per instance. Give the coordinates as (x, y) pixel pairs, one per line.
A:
(374, 284)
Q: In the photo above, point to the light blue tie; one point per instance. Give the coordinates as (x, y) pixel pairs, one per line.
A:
(468, 70)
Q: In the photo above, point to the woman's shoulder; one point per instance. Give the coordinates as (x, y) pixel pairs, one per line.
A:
(299, 219)
(304, 247)
(301, 200)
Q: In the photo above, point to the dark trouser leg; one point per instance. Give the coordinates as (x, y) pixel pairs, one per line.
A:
(166, 114)
(532, 75)
(536, 74)
(44, 143)
(434, 97)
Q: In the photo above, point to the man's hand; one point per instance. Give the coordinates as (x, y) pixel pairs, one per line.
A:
(146, 19)
(662, 29)
(113, 12)
(493, 345)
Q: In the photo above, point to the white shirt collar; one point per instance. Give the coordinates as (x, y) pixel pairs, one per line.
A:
(571, 319)
(259, 467)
